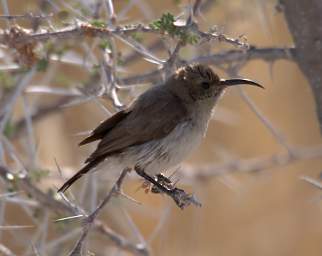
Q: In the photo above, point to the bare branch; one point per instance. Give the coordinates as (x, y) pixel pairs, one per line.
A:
(266, 54)
(28, 16)
(6, 251)
(58, 206)
(276, 133)
(313, 182)
(91, 218)
(11, 100)
(254, 165)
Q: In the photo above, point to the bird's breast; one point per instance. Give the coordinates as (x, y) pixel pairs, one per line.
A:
(186, 137)
(163, 154)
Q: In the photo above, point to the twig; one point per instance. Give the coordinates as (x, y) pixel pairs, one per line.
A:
(199, 6)
(62, 239)
(30, 16)
(133, 227)
(30, 132)
(6, 251)
(114, 191)
(266, 54)
(7, 108)
(312, 181)
(254, 165)
(82, 29)
(162, 221)
(48, 201)
(109, 62)
(267, 123)
(91, 218)
(111, 12)
(13, 227)
(86, 29)
(97, 8)
(5, 9)
(171, 62)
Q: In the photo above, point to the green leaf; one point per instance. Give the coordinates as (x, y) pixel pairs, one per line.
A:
(166, 25)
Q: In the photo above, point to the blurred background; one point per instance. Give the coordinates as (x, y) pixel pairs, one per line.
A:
(270, 211)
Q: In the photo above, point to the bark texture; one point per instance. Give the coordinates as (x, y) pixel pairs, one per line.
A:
(304, 19)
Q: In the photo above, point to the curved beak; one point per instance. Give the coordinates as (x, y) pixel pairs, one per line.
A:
(232, 82)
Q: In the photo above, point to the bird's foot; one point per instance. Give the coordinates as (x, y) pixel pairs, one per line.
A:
(162, 184)
(164, 181)
(161, 179)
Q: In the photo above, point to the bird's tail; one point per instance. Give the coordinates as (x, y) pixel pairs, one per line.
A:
(78, 175)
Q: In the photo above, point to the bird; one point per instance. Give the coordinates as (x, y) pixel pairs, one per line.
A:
(161, 127)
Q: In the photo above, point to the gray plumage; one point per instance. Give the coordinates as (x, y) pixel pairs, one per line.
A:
(162, 126)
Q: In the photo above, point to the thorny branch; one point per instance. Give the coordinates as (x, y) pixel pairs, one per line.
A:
(254, 165)
(116, 189)
(48, 201)
(267, 54)
(18, 36)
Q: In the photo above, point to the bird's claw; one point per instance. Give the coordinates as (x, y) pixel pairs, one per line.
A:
(181, 198)
(163, 181)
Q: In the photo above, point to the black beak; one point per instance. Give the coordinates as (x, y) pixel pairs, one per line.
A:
(232, 82)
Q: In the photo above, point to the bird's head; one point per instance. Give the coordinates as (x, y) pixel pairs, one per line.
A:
(198, 82)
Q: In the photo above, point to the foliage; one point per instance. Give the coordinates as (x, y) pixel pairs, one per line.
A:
(166, 24)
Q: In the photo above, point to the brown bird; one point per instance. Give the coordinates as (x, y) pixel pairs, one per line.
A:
(161, 127)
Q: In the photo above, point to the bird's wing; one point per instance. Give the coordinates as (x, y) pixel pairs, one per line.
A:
(152, 116)
(100, 131)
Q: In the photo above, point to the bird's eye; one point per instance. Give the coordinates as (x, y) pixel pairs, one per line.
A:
(205, 85)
